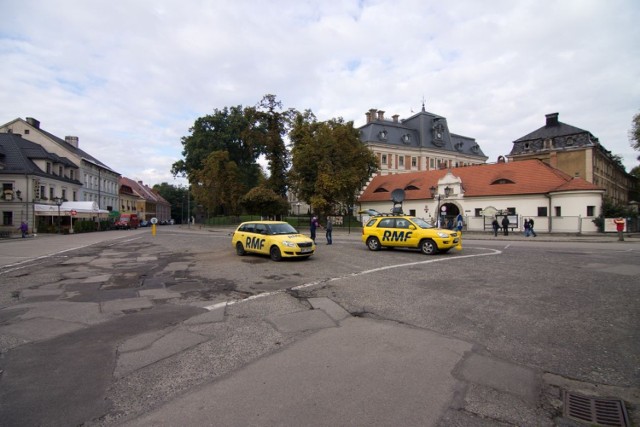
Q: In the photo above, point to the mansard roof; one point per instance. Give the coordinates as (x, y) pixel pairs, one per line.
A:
(35, 124)
(555, 128)
(18, 155)
(423, 130)
(486, 180)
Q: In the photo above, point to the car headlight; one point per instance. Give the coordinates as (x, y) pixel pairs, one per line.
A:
(288, 244)
(443, 234)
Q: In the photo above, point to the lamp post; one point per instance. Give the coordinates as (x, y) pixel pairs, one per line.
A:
(58, 202)
(298, 205)
(439, 197)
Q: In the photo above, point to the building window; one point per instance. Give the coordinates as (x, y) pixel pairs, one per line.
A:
(478, 212)
(64, 194)
(384, 159)
(591, 211)
(542, 211)
(48, 167)
(414, 162)
(26, 131)
(75, 197)
(511, 211)
(401, 161)
(558, 210)
(7, 218)
(50, 193)
(60, 171)
(431, 163)
(71, 174)
(412, 212)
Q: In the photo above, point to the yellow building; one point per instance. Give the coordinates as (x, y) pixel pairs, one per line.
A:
(578, 153)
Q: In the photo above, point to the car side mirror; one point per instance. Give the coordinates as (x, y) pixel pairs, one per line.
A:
(412, 227)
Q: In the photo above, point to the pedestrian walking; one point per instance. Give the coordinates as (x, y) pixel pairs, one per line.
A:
(531, 230)
(527, 228)
(329, 229)
(24, 228)
(505, 225)
(496, 227)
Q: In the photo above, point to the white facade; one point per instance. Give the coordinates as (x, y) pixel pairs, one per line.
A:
(100, 183)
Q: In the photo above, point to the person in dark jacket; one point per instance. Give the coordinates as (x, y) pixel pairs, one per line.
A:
(496, 226)
(505, 225)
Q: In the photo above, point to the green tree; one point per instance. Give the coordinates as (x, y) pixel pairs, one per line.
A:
(330, 163)
(173, 194)
(218, 186)
(269, 127)
(634, 133)
(226, 130)
(265, 202)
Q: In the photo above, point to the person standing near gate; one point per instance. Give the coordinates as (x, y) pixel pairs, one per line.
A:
(329, 230)
(313, 226)
(505, 225)
(496, 227)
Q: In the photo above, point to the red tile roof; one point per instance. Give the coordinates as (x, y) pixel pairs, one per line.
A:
(522, 177)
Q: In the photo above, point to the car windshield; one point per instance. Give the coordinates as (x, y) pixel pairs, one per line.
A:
(422, 223)
(283, 228)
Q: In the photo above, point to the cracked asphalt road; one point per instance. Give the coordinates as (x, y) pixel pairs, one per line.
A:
(109, 331)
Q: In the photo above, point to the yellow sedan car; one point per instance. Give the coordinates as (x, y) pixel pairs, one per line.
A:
(274, 238)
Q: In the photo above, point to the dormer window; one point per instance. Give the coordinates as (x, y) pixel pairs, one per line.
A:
(382, 135)
(502, 181)
(411, 187)
(475, 148)
(406, 138)
(380, 190)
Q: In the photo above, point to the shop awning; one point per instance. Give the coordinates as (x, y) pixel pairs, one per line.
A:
(84, 208)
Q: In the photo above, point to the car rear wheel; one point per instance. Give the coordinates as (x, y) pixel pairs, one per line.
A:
(373, 244)
(275, 254)
(428, 247)
(240, 249)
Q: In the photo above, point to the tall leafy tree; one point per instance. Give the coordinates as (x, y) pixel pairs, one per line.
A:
(217, 185)
(270, 125)
(329, 162)
(634, 133)
(229, 130)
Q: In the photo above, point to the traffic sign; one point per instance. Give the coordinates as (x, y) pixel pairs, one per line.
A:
(74, 212)
(154, 220)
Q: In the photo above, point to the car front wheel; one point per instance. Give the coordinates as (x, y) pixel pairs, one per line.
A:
(275, 253)
(373, 244)
(240, 249)
(428, 247)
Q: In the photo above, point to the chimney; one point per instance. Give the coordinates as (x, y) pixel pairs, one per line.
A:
(395, 118)
(380, 115)
(72, 140)
(372, 113)
(33, 122)
(368, 115)
(552, 119)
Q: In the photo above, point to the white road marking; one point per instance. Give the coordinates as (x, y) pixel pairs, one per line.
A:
(361, 273)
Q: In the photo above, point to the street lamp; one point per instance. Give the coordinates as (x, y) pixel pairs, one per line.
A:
(298, 205)
(58, 202)
(435, 195)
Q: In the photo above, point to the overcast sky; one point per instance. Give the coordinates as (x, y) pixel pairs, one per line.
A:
(129, 78)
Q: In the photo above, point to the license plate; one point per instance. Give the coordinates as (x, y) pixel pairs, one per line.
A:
(305, 250)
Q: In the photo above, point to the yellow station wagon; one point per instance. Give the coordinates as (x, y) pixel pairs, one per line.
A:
(400, 231)
(274, 238)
